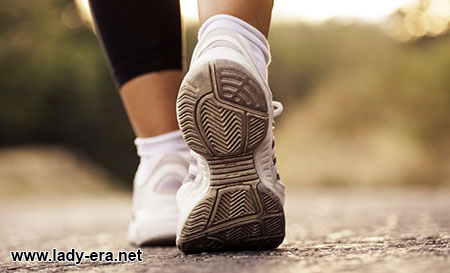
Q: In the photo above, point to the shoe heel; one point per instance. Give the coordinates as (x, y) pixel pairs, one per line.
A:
(222, 111)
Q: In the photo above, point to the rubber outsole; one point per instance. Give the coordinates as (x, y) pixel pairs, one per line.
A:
(223, 115)
(146, 233)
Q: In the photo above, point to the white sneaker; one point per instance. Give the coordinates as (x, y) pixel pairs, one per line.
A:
(155, 213)
(233, 198)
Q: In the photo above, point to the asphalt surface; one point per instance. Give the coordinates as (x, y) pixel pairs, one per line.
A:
(377, 230)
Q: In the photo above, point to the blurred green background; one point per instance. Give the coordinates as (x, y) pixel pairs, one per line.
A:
(365, 104)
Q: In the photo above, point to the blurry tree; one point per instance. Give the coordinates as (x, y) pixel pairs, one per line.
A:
(55, 86)
(421, 18)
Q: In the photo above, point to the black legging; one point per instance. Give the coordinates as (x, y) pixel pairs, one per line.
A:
(139, 36)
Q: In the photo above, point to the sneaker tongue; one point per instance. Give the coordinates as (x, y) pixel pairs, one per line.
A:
(169, 184)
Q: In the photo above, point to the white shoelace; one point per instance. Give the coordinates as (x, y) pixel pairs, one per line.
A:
(277, 108)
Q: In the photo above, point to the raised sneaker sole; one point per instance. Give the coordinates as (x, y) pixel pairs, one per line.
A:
(224, 116)
(153, 231)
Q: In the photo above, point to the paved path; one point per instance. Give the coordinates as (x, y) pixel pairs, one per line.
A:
(328, 231)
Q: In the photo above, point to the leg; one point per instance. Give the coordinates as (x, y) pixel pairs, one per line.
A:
(255, 12)
(150, 102)
(142, 41)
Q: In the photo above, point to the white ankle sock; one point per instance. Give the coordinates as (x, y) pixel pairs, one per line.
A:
(172, 142)
(258, 41)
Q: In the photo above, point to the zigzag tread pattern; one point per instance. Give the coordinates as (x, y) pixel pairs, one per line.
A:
(257, 128)
(274, 225)
(234, 204)
(237, 234)
(269, 204)
(200, 244)
(186, 108)
(236, 86)
(259, 232)
(222, 127)
(199, 217)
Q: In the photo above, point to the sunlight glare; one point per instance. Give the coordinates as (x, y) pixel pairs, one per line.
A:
(312, 11)
(318, 10)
